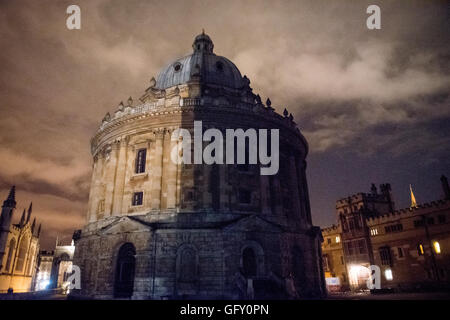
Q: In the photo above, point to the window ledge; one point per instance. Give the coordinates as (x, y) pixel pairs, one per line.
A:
(138, 176)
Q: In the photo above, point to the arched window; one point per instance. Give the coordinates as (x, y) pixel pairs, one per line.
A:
(23, 247)
(12, 247)
(187, 265)
(30, 261)
(124, 274)
(249, 265)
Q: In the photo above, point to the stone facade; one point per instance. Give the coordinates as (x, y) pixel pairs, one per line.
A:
(19, 248)
(410, 246)
(157, 229)
(334, 265)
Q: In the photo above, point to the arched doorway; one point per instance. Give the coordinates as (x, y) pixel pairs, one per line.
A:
(124, 275)
(249, 264)
(186, 271)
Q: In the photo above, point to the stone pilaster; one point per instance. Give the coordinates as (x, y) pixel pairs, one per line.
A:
(111, 165)
(295, 194)
(120, 177)
(265, 190)
(157, 166)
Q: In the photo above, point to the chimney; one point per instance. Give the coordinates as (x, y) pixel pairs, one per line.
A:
(445, 187)
(373, 189)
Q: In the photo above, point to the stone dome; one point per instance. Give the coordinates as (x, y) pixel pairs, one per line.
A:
(202, 64)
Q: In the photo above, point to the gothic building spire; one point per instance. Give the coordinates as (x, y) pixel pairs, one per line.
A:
(11, 200)
(30, 209)
(22, 219)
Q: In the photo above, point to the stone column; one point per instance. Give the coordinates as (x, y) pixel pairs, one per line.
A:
(224, 187)
(167, 177)
(303, 189)
(206, 187)
(94, 194)
(275, 196)
(293, 183)
(156, 169)
(120, 177)
(111, 165)
(170, 175)
(265, 190)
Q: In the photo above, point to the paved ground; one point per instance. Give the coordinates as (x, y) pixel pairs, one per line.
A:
(391, 296)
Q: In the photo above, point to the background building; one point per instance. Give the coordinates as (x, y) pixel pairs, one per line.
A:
(45, 263)
(411, 246)
(19, 247)
(334, 265)
(55, 267)
(161, 230)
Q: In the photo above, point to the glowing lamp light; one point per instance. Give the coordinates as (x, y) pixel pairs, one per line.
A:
(338, 239)
(421, 249)
(388, 274)
(437, 247)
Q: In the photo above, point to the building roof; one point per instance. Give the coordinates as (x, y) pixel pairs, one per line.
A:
(203, 65)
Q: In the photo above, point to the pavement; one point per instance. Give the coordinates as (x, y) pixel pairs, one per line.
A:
(390, 296)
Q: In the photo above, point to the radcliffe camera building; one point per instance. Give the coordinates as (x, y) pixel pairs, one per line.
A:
(410, 245)
(156, 229)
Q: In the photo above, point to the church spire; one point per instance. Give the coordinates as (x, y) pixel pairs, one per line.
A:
(22, 219)
(30, 209)
(413, 198)
(39, 230)
(33, 225)
(11, 200)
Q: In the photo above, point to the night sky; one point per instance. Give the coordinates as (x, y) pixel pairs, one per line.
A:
(374, 105)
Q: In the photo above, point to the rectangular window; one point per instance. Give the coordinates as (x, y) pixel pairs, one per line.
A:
(328, 240)
(418, 223)
(388, 274)
(137, 198)
(394, 228)
(350, 248)
(430, 221)
(338, 239)
(385, 255)
(441, 218)
(140, 160)
(342, 259)
(351, 224)
(400, 252)
(362, 246)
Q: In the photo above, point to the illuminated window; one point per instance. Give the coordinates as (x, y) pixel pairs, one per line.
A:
(388, 274)
(437, 247)
(338, 239)
(374, 232)
(420, 249)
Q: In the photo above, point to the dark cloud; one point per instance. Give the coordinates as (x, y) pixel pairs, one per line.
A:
(374, 105)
